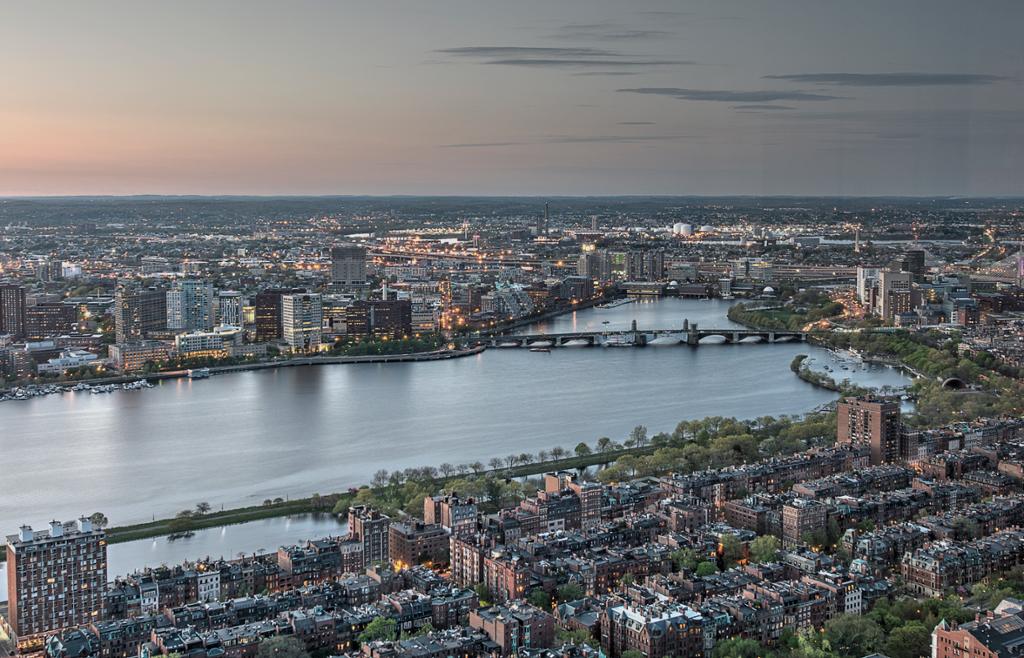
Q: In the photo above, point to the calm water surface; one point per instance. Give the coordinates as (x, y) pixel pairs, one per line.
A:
(238, 439)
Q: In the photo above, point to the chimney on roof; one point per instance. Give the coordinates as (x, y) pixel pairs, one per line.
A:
(56, 529)
(25, 533)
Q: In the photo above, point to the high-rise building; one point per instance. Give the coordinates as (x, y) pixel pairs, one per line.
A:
(913, 262)
(190, 306)
(55, 579)
(268, 313)
(874, 421)
(371, 528)
(645, 265)
(379, 318)
(867, 278)
(454, 514)
(894, 294)
(12, 310)
(302, 318)
(348, 265)
(138, 311)
(50, 319)
(230, 305)
(800, 517)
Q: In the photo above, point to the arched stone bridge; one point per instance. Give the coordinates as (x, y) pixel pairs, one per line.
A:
(690, 334)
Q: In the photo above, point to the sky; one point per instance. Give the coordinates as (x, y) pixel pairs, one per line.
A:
(523, 97)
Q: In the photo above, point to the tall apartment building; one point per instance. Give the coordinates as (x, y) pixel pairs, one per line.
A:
(50, 319)
(348, 265)
(657, 630)
(230, 308)
(302, 317)
(645, 265)
(515, 626)
(456, 515)
(894, 294)
(390, 318)
(268, 313)
(874, 421)
(55, 579)
(415, 543)
(867, 279)
(190, 306)
(138, 311)
(12, 310)
(590, 495)
(370, 528)
(799, 517)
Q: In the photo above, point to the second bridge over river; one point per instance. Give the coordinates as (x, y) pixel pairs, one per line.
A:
(689, 334)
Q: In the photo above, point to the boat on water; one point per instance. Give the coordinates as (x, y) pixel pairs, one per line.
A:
(618, 341)
(180, 535)
(199, 373)
(616, 303)
(540, 349)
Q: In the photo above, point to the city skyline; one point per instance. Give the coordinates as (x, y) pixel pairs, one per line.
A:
(919, 99)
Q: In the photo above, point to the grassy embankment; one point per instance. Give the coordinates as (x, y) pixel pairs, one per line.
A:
(324, 503)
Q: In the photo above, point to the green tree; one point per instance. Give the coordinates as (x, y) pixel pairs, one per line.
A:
(282, 646)
(604, 444)
(582, 449)
(381, 628)
(539, 599)
(764, 549)
(482, 593)
(737, 648)
(577, 636)
(570, 592)
(909, 641)
(99, 519)
(732, 549)
(684, 558)
(706, 569)
(853, 636)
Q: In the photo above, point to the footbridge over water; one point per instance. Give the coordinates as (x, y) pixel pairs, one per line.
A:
(689, 334)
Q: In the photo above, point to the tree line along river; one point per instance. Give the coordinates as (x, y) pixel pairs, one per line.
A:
(238, 439)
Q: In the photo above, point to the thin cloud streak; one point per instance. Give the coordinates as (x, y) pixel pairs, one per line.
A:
(756, 107)
(610, 31)
(890, 79)
(726, 96)
(579, 63)
(572, 139)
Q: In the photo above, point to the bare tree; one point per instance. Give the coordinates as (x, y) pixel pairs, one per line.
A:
(446, 469)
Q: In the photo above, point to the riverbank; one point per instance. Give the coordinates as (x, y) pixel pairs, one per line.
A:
(412, 357)
(507, 327)
(324, 503)
(236, 441)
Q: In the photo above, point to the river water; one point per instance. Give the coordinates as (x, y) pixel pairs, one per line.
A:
(238, 439)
